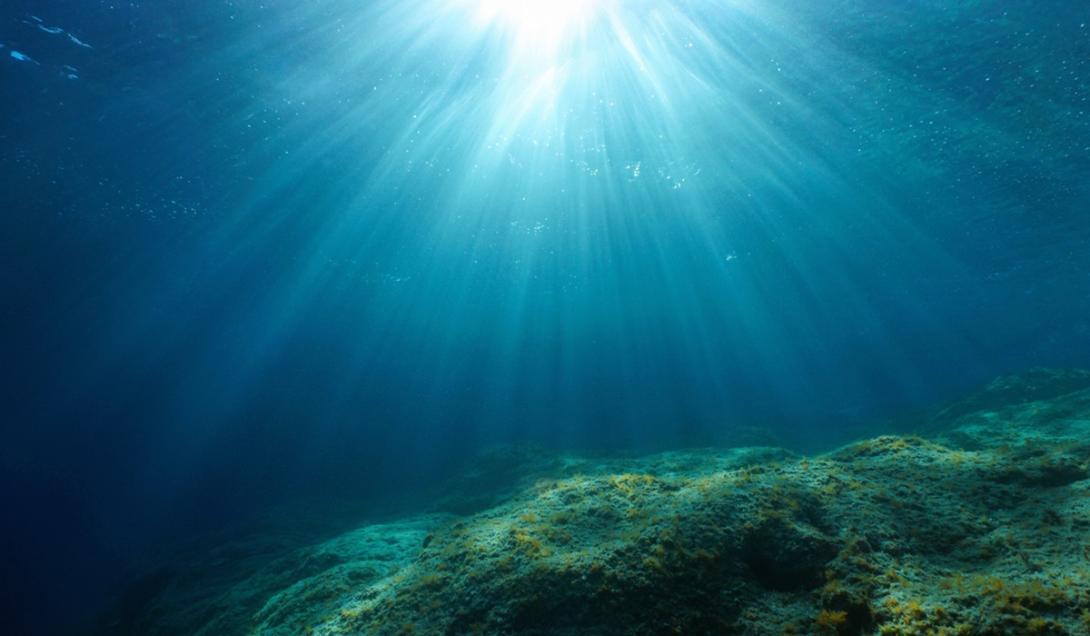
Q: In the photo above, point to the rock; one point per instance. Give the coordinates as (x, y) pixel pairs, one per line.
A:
(981, 528)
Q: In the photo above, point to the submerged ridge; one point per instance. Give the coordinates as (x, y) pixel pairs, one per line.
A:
(978, 528)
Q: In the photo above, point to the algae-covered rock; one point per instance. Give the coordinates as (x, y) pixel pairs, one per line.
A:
(1036, 385)
(981, 528)
(267, 585)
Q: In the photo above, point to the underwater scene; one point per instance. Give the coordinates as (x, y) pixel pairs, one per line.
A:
(545, 317)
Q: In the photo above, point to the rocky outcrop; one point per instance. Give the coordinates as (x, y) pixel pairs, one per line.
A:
(981, 528)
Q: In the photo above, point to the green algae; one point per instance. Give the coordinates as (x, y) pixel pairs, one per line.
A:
(978, 528)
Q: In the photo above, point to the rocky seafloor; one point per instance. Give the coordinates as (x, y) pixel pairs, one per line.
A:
(981, 525)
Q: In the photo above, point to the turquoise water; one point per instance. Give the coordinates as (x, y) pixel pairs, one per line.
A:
(261, 253)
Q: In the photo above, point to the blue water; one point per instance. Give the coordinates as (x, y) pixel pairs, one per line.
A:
(258, 253)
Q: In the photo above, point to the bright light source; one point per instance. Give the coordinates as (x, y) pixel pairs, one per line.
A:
(539, 24)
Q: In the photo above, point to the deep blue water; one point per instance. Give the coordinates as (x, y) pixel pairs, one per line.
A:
(256, 253)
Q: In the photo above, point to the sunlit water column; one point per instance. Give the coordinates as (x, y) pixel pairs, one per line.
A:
(620, 212)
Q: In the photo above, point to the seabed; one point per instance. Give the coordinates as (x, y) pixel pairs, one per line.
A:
(978, 525)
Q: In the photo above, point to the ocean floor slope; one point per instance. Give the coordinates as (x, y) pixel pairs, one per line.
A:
(981, 527)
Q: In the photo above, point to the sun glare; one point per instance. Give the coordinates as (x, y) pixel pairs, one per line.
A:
(538, 24)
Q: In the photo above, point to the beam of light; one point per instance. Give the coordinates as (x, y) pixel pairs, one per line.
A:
(542, 196)
(538, 27)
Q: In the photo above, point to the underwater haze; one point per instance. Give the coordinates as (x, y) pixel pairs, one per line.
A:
(299, 263)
